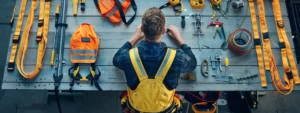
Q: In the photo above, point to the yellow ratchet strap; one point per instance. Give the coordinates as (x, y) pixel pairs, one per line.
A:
(75, 7)
(270, 64)
(41, 21)
(284, 42)
(257, 44)
(41, 45)
(12, 17)
(16, 36)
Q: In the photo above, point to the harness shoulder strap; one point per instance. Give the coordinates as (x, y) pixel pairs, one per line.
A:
(166, 64)
(134, 7)
(137, 64)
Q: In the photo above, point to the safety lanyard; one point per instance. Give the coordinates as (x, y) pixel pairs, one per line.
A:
(11, 62)
(269, 60)
(257, 44)
(41, 45)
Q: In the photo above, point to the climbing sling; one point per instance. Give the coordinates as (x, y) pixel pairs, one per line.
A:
(115, 9)
(290, 75)
(41, 45)
(16, 37)
(257, 45)
(84, 46)
(151, 95)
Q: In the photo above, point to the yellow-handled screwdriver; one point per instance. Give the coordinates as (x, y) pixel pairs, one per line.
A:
(226, 61)
(75, 6)
(56, 25)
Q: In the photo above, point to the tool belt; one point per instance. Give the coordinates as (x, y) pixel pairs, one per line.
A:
(93, 76)
(175, 107)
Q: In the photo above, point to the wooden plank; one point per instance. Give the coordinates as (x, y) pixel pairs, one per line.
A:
(101, 25)
(122, 87)
(105, 57)
(111, 74)
(143, 5)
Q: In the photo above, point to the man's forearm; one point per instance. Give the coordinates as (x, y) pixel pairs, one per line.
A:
(191, 62)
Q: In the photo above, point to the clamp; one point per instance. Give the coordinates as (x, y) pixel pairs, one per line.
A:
(204, 73)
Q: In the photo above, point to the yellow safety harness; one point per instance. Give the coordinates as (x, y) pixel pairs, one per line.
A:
(290, 75)
(151, 95)
(42, 43)
(257, 44)
(16, 37)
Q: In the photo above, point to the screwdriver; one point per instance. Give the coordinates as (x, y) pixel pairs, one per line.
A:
(82, 3)
(226, 65)
(56, 25)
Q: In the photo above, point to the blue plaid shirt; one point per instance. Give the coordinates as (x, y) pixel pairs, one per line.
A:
(152, 55)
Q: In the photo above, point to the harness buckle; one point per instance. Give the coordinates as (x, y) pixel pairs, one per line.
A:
(16, 38)
(281, 45)
(280, 23)
(266, 35)
(289, 75)
(257, 42)
(41, 23)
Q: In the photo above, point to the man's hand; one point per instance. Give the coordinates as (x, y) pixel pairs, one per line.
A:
(174, 33)
(137, 35)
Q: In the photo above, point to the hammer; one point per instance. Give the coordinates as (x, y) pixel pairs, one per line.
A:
(217, 24)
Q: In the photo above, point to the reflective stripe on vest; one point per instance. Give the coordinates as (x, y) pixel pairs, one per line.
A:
(257, 44)
(269, 60)
(11, 62)
(41, 45)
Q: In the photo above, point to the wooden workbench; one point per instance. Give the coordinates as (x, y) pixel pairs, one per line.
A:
(113, 37)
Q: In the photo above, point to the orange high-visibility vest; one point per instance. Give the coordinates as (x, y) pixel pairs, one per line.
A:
(84, 44)
(115, 10)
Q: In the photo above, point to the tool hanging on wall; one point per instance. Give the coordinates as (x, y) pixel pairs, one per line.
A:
(60, 44)
(177, 5)
(182, 21)
(216, 6)
(42, 44)
(75, 7)
(84, 46)
(115, 10)
(82, 4)
(248, 76)
(237, 5)
(240, 41)
(11, 22)
(197, 3)
(220, 31)
(227, 7)
(204, 72)
(56, 34)
(197, 27)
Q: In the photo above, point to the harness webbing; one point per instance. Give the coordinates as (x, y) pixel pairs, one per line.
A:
(257, 44)
(41, 21)
(11, 62)
(269, 60)
(41, 46)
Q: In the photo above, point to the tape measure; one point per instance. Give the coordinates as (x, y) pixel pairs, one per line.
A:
(197, 3)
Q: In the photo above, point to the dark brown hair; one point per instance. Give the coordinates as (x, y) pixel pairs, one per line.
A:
(153, 23)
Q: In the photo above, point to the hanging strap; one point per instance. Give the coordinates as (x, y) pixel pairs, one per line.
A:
(269, 60)
(16, 37)
(41, 45)
(137, 64)
(122, 14)
(39, 34)
(166, 64)
(257, 44)
(284, 43)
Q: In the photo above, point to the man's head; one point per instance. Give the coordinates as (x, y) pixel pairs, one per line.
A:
(153, 24)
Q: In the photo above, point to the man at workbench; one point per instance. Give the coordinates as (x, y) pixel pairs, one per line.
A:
(152, 69)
